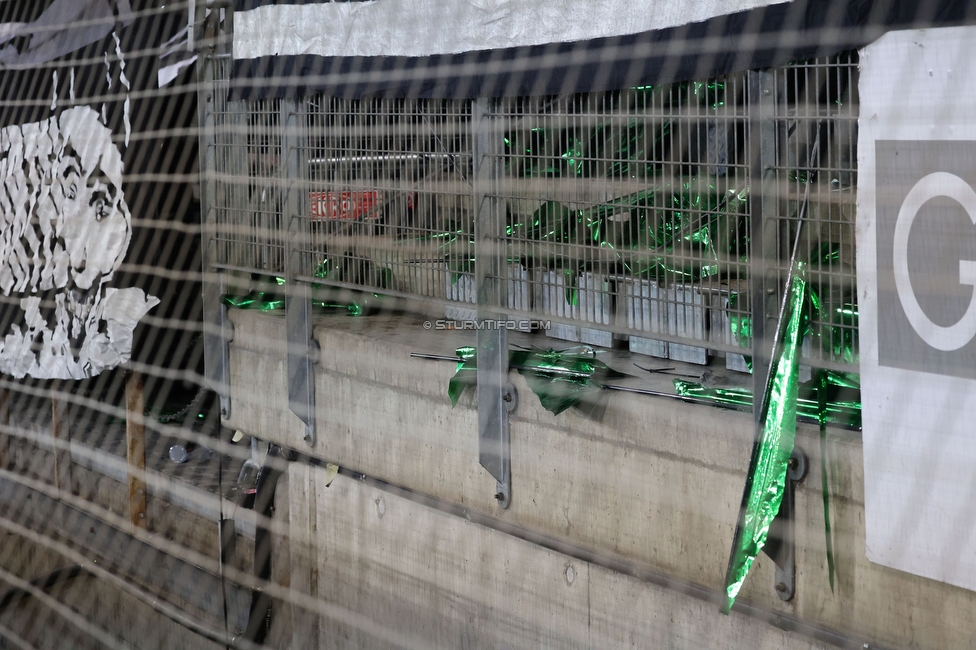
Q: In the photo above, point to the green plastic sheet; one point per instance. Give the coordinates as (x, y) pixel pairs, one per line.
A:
(612, 148)
(680, 228)
(841, 392)
(822, 387)
(561, 379)
(688, 232)
(766, 479)
(830, 308)
(271, 301)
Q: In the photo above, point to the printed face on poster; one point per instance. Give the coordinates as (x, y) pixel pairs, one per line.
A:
(916, 274)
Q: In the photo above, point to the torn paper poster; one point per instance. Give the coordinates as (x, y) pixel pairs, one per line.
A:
(65, 230)
(167, 74)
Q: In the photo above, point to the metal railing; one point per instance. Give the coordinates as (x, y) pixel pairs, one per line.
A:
(631, 214)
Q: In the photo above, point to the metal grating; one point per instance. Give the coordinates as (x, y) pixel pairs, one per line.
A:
(627, 213)
(389, 195)
(816, 176)
(249, 234)
(630, 208)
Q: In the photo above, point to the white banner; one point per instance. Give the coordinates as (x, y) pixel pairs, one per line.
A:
(916, 274)
(428, 27)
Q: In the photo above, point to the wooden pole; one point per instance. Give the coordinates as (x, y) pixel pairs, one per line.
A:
(61, 433)
(135, 448)
(4, 428)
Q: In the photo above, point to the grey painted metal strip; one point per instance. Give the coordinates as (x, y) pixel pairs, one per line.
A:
(217, 328)
(298, 297)
(494, 447)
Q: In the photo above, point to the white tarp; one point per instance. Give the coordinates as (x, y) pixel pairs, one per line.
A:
(916, 274)
(428, 27)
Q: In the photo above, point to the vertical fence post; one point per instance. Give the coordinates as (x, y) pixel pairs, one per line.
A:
(4, 428)
(60, 433)
(764, 254)
(217, 328)
(135, 447)
(766, 286)
(302, 348)
(496, 396)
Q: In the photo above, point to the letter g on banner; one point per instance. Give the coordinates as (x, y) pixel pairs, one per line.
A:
(928, 187)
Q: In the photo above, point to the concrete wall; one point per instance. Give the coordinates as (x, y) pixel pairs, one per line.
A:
(174, 560)
(656, 485)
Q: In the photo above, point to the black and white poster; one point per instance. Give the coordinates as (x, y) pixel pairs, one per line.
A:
(66, 230)
(71, 137)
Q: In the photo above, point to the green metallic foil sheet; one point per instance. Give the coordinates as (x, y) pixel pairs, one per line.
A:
(466, 374)
(842, 394)
(831, 309)
(561, 379)
(680, 233)
(342, 269)
(766, 478)
(322, 298)
(830, 398)
(824, 483)
(686, 230)
(261, 300)
(634, 148)
(266, 302)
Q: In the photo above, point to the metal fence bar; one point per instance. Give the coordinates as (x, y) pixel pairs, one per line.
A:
(816, 174)
(217, 328)
(302, 349)
(660, 216)
(764, 285)
(494, 391)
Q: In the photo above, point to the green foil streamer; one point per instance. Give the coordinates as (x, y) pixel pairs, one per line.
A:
(766, 479)
(466, 374)
(683, 239)
(832, 310)
(683, 232)
(266, 302)
(561, 379)
(269, 301)
(261, 300)
(564, 379)
(822, 418)
(741, 327)
(819, 400)
(837, 410)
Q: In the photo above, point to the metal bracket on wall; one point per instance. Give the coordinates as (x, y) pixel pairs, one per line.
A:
(303, 353)
(497, 398)
(217, 336)
(303, 350)
(781, 542)
(496, 395)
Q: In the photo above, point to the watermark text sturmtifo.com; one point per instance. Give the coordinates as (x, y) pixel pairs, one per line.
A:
(520, 325)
